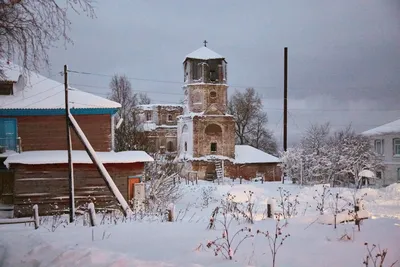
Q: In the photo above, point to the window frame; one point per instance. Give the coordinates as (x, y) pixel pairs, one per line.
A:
(148, 116)
(396, 147)
(382, 146)
(212, 145)
(10, 143)
(6, 88)
(398, 175)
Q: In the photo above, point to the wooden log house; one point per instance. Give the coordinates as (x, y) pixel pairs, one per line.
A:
(33, 147)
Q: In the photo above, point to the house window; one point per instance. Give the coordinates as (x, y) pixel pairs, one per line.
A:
(398, 175)
(185, 146)
(213, 147)
(379, 175)
(6, 88)
(396, 146)
(8, 133)
(148, 116)
(170, 146)
(379, 146)
(169, 117)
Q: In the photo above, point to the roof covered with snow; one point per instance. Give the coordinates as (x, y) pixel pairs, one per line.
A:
(154, 106)
(39, 92)
(204, 53)
(78, 156)
(388, 128)
(244, 154)
(248, 154)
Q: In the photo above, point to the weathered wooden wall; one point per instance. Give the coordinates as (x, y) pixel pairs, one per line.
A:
(47, 186)
(48, 132)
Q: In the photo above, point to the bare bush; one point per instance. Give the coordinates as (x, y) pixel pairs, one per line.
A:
(337, 205)
(275, 240)
(228, 244)
(378, 259)
(321, 198)
(287, 203)
(162, 186)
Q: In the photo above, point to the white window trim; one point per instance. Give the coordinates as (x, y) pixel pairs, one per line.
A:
(148, 114)
(394, 147)
(382, 143)
(398, 175)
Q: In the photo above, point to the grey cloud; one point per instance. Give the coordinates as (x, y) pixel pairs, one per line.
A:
(343, 54)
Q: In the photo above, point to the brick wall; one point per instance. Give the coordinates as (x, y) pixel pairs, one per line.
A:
(270, 171)
(49, 132)
(161, 137)
(202, 141)
(200, 96)
(47, 186)
(163, 113)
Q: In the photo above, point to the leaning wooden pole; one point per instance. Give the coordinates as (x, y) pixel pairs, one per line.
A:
(69, 142)
(102, 170)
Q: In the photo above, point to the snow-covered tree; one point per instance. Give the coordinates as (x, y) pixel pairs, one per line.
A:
(322, 157)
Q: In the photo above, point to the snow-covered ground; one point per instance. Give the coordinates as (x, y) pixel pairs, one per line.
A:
(150, 242)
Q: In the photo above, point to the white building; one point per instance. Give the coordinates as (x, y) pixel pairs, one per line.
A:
(386, 143)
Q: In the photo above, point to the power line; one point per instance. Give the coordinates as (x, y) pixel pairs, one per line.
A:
(41, 100)
(31, 96)
(265, 108)
(135, 90)
(295, 88)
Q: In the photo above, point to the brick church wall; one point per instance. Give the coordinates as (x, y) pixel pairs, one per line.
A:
(202, 141)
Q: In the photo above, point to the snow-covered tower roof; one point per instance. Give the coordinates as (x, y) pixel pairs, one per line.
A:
(204, 53)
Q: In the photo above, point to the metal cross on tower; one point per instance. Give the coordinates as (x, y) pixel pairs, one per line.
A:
(205, 43)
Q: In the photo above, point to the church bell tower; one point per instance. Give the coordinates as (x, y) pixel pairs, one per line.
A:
(205, 130)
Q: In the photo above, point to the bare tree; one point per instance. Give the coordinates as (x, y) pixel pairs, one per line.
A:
(29, 28)
(251, 121)
(129, 135)
(316, 137)
(260, 137)
(144, 99)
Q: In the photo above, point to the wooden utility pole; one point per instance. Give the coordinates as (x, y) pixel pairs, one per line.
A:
(285, 106)
(69, 142)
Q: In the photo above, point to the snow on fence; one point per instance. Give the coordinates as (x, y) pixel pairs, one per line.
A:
(34, 220)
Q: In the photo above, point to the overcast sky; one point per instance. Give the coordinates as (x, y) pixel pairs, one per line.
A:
(344, 56)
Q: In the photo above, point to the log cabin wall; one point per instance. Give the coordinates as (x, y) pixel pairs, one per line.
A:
(47, 186)
(48, 132)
